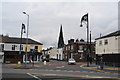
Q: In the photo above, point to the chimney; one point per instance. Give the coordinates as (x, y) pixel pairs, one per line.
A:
(72, 40)
(68, 41)
(82, 40)
(77, 40)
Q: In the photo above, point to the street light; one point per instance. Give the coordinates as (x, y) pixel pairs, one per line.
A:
(27, 36)
(85, 20)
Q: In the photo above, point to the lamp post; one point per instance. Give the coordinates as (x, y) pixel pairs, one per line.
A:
(85, 20)
(22, 31)
(27, 37)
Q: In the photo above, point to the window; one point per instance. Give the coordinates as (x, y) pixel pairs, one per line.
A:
(21, 47)
(32, 48)
(36, 48)
(13, 47)
(68, 47)
(106, 42)
(1, 47)
(71, 47)
(81, 47)
(100, 43)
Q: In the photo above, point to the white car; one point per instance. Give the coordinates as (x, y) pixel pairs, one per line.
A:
(71, 61)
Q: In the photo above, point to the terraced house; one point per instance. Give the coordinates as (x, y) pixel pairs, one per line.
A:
(77, 49)
(10, 49)
(108, 48)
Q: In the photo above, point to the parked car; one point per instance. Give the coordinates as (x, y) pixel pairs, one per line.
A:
(71, 61)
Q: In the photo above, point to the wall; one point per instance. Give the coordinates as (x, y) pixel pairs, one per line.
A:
(111, 48)
(28, 48)
(53, 53)
(8, 47)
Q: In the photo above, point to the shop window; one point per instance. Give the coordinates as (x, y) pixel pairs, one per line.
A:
(10, 56)
(34, 58)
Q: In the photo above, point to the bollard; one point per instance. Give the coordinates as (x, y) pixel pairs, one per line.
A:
(19, 63)
(44, 62)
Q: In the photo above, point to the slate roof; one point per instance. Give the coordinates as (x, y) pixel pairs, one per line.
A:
(116, 33)
(6, 39)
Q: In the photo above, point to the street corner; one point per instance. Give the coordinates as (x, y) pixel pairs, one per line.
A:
(97, 68)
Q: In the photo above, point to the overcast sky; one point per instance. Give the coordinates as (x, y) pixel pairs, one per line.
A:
(46, 18)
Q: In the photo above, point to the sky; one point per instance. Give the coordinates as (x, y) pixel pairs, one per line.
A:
(47, 17)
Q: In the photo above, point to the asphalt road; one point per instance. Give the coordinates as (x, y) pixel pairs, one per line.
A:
(13, 76)
(17, 76)
(55, 70)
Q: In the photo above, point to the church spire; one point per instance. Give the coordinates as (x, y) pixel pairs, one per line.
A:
(61, 40)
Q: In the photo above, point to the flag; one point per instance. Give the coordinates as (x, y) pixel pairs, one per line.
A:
(23, 27)
(84, 18)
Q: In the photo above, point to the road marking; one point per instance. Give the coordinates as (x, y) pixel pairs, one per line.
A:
(80, 76)
(70, 71)
(51, 70)
(64, 70)
(33, 76)
(57, 70)
(78, 71)
(60, 67)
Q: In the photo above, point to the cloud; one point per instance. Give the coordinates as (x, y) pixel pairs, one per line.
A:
(46, 18)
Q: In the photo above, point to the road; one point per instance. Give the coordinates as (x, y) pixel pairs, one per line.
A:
(55, 70)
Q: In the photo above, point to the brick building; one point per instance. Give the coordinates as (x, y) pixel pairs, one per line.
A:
(77, 50)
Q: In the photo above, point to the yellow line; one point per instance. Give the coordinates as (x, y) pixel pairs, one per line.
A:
(113, 68)
(93, 68)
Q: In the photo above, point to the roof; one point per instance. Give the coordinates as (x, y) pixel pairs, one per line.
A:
(80, 43)
(6, 39)
(116, 33)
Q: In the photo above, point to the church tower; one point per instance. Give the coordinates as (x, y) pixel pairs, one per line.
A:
(61, 40)
(60, 45)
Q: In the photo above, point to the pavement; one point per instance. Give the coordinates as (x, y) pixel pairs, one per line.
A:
(105, 69)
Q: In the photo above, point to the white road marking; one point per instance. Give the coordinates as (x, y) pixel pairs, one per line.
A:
(51, 70)
(78, 71)
(33, 76)
(58, 70)
(60, 67)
